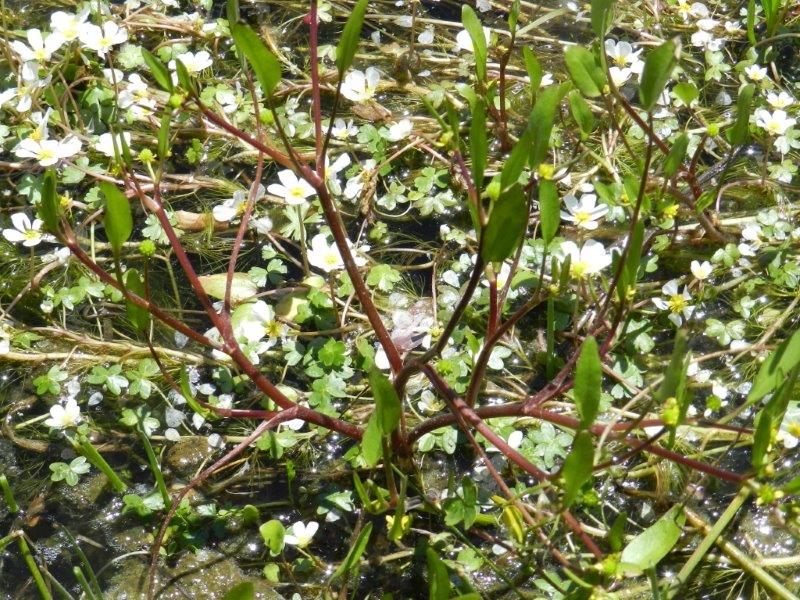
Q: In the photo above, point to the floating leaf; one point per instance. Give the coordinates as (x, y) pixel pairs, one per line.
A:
(549, 210)
(578, 465)
(118, 220)
(473, 26)
(263, 62)
(273, 532)
(242, 286)
(507, 223)
(241, 591)
(588, 382)
(654, 543)
(658, 66)
(348, 43)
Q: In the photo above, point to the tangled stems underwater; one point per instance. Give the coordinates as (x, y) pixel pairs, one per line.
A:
(575, 287)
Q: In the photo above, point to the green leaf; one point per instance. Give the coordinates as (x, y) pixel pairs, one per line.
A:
(588, 382)
(372, 442)
(118, 220)
(273, 532)
(158, 70)
(541, 122)
(776, 368)
(676, 155)
(586, 73)
(184, 79)
(549, 210)
(263, 62)
(139, 316)
(654, 543)
(241, 591)
(354, 554)
(581, 113)
(242, 287)
(478, 145)
(533, 68)
(49, 207)
(163, 136)
(351, 35)
(578, 465)
(740, 132)
(686, 92)
(186, 392)
(232, 11)
(513, 16)
(506, 227)
(473, 26)
(676, 368)
(770, 417)
(600, 17)
(387, 404)
(616, 535)
(438, 578)
(631, 268)
(658, 66)
(516, 161)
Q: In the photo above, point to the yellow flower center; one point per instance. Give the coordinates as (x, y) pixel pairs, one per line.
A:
(677, 303)
(45, 154)
(331, 258)
(578, 269)
(670, 211)
(40, 54)
(297, 192)
(620, 60)
(31, 234)
(582, 217)
(794, 428)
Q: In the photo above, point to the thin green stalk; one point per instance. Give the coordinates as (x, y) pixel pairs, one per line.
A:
(62, 591)
(154, 466)
(84, 561)
(27, 556)
(708, 541)
(8, 494)
(94, 457)
(87, 589)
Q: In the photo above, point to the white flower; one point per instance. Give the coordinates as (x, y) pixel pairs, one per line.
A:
(464, 40)
(301, 534)
(622, 55)
(294, 190)
(584, 212)
(774, 123)
(359, 86)
(255, 321)
(789, 432)
(677, 303)
(65, 416)
(29, 234)
(695, 372)
(137, 96)
(355, 184)
(399, 130)
(781, 100)
(756, 72)
(514, 440)
(590, 259)
(326, 257)
(48, 152)
(702, 270)
(193, 61)
(105, 143)
(342, 130)
(706, 40)
(67, 25)
(619, 76)
(102, 39)
(39, 49)
(235, 205)
(426, 36)
(547, 79)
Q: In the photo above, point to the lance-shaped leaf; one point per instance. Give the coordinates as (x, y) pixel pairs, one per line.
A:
(118, 220)
(163, 136)
(541, 122)
(473, 26)
(184, 79)
(630, 269)
(647, 549)
(348, 43)
(158, 70)
(384, 420)
(355, 552)
(507, 223)
(478, 144)
(740, 132)
(770, 417)
(658, 66)
(577, 468)
(533, 68)
(588, 382)
(549, 210)
(676, 155)
(516, 161)
(262, 61)
(139, 316)
(49, 207)
(601, 12)
(585, 71)
(581, 113)
(776, 368)
(438, 578)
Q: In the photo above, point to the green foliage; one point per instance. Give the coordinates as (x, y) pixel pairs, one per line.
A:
(549, 210)
(647, 549)
(348, 42)
(350, 562)
(588, 380)
(384, 420)
(658, 68)
(739, 133)
(118, 219)
(158, 71)
(577, 468)
(585, 71)
(273, 532)
(262, 61)
(473, 26)
(507, 223)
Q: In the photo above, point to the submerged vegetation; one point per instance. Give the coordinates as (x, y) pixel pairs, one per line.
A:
(416, 299)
